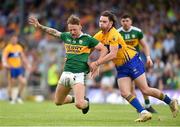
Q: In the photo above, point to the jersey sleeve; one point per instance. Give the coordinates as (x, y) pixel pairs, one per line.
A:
(63, 35)
(140, 35)
(113, 40)
(5, 51)
(92, 42)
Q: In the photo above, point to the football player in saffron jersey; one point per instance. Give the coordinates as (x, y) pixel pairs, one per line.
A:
(14, 60)
(129, 67)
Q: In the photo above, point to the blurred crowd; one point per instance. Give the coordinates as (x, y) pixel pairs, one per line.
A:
(159, 21)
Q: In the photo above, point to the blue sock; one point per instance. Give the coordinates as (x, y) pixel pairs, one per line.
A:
(135, 103)
(167, 100)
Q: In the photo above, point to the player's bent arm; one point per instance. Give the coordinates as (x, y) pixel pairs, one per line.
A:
(110, 56)
(146, 51)
(145, 47)
(49, 30)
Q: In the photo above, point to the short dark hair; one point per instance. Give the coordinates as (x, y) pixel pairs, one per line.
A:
(73, 19)
(126, 15)
(110, 16)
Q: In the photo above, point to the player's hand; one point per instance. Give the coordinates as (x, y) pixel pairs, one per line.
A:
(93, 66)
(33, 21)
(149, 62)
(65, 59)
(94, 73)
(7, 66)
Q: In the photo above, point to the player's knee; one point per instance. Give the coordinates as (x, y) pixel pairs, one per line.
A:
(124, 94)
(22, 80)
(23, 83)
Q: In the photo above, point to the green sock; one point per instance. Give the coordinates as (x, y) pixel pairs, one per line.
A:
(147, 103)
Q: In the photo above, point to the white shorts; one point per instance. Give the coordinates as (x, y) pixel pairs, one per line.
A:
(69, 79)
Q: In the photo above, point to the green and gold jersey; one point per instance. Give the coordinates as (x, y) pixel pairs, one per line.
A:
(77, 51)
(132, 36)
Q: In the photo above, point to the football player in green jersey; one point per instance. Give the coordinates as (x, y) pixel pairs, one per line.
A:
(133, 36)
(78, 48)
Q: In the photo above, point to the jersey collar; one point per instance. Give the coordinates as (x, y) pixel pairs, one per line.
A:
(127, 30)
(81, 34)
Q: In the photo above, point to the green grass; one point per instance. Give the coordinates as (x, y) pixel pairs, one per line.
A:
(47, 114)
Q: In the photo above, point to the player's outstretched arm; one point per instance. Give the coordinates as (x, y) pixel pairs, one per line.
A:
(34, 21)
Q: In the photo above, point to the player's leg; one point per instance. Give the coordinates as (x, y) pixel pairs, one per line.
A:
(147, 105)
(22, 83)
(133, 89)
(63, 88)
(18, 74)
(61, 95)
(9, 89)
(138, 74)
(81, 102)
(79, 93)
(148, 91)
(125, 89)
(126, 73)
(125, 85)
(11, 82)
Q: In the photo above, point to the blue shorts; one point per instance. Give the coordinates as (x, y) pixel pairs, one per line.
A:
(133, 68)
(15, 72)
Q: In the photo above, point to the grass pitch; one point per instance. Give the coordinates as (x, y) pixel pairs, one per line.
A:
(47, 114)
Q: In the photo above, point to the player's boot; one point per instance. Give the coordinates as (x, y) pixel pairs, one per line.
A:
(85, 110)
(144, 117)
(19, 100)
(151, 109)
(12, 101)
(174, 107)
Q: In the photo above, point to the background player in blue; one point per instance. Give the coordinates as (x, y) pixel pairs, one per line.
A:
(133, 36)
